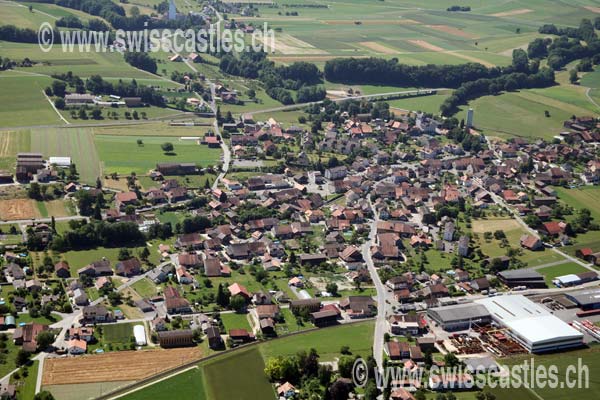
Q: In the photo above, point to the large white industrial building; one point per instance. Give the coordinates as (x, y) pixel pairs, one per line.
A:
(532, 325)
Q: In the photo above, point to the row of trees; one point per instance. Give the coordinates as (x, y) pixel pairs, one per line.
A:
(278, 81)
(94, 234)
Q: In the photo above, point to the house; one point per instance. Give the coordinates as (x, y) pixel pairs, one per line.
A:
(83, 333)
(189, 240)
(183, 276)
(240, 336)
(14, 271)
(237, 289)
(267, 326)
(76, 346)
(531, 242)
(188, 260)
(325, 317)
(451, 382)
(96, 314)
(286, 390)
(397, 351)
(213, 267)
(336, 173)
(129, 267)
(174, 303)
(214, 338)
(80, 297)
(96, 268)
(62, 270)
(403, 324)
(178, 338)
(125, 199)
(311, 305)
(463, 246)
(358, 306)
(26, 335)
(267, 311)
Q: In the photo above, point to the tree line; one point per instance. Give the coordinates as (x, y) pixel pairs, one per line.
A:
(278, 81)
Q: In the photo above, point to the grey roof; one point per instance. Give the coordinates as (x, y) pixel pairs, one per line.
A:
(521, 274)
(585, 297)
(459, 312)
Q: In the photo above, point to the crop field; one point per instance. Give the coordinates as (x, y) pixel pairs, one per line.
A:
(252, 384)
(11, 143)
(75, 143)
(188, 385)
(23, 101)
(131, 365)
(123, 155)
(82, 63)
(16, 209)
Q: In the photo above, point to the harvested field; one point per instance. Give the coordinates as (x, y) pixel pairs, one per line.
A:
(132, 365)
(425, 45)
(513, 12)
(378, 47)
(288, 44)
(491, 225)
(452, 31)
(593, 9)
(403, 21)
(472, 59)
(291, 59)
(16, 209)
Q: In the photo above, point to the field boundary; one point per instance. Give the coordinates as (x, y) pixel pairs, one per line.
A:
(179, 369)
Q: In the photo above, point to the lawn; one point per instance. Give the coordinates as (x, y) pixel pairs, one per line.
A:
(251, 384)
(26, 318)
(81, 258)
(118, 334)
(327, 342)
(145, 287)
(291, 324)
(188, 385)
(123, 155)
(428, 104)
(26, 385)
(235, 321)
(559, 270)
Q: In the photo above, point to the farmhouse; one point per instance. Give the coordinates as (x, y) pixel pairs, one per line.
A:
(26, 336)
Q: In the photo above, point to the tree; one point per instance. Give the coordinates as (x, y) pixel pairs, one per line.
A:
(43, 395)
(82, 114)
(34, 191)
(44, 339)
(59, 103)
(573, 78)
(124, 254)
(145, 253)
(167, 147)
(281, 369)
(96, 113)
(371, 391)
(332, 288)
(238, 303)
(345, 365)
(222, 296)
(22, 358)
(59, 88)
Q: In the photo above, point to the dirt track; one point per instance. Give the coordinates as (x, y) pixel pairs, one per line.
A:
(115, 366)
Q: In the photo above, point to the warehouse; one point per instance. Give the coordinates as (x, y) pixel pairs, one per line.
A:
(586, 299)
(530, 324)
(522, 277)
(460, 316)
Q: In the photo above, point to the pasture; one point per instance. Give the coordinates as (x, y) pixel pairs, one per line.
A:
(584, 197)
(122, 154)
(73, 142)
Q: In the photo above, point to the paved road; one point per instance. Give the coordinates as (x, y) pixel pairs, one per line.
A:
(29, 221)
(380, 322)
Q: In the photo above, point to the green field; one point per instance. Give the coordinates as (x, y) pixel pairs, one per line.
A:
(22, 95)
(187, 385)
(428, 104)
(584, 197)
(560, 270)
(123, 155)
(81, 258)
(11, 143)
(251, 384)
(75, 143)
